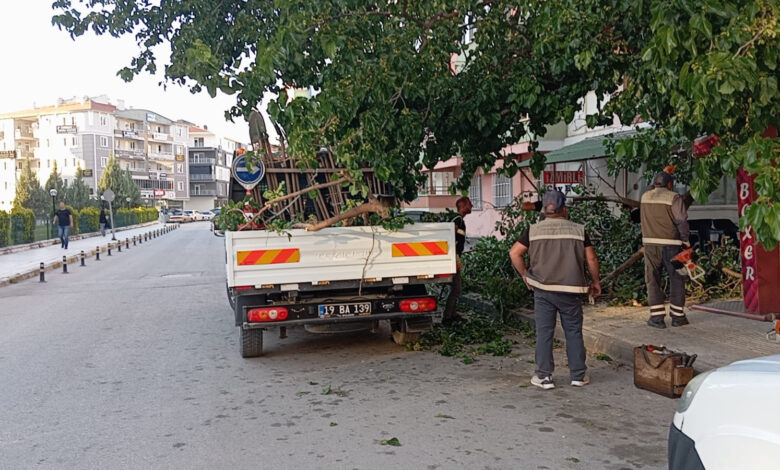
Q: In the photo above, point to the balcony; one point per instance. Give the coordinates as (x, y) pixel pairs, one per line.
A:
(161, 156)
(24, 134)
(203, 192)
(203, 161)
(201, 177)
(128, 134)
(135, 154)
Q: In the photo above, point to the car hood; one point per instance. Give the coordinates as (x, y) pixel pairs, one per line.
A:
(769, 364)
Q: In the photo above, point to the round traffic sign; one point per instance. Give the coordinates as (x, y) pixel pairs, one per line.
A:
(246, 177)
(108, 195)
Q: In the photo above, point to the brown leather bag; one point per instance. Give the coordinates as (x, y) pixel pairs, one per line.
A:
(662, 371)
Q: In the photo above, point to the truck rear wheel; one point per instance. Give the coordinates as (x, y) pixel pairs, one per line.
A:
(251, 342)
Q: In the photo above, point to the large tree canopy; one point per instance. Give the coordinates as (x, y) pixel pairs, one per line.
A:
(386, 94)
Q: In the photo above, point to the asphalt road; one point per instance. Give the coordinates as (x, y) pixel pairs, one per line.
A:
(132, 363)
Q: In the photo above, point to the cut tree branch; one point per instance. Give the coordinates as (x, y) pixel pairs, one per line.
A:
(365, 208)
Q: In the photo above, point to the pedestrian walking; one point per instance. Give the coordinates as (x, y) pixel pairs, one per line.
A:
(558, 250)
(103, 220)
(463, 206)
(64, 221)
(665, 231)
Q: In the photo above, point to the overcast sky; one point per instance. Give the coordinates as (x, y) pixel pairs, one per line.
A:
(40, 63)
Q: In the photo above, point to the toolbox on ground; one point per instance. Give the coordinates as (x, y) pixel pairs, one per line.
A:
(661, 370)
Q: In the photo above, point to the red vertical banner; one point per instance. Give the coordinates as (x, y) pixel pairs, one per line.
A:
(745, 195)
(760, 268)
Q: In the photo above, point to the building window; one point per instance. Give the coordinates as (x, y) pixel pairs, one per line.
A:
(65, 142)
(73, 141)
(65, 162)
(199, 142)
(47, 143)
(180, 168)
(103, 120)
(74, 162)
(475, 191)
(132, 145)
(48, 163)
(180, 186)
(502, 191)
(103, 141)
(103, 162)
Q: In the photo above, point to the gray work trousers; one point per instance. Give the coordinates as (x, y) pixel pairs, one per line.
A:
(657, 259)
(547, 305)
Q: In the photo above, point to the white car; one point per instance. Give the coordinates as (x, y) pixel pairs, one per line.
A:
(729, 418)
(194, 215)
(207, 215)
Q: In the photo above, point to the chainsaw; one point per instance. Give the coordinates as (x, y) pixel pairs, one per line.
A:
(684, 263)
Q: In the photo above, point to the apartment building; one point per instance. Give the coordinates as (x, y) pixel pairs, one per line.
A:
(210, 159)
(153, 148)
(75, 133)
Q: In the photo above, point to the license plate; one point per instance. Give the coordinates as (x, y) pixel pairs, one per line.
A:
(344, 310)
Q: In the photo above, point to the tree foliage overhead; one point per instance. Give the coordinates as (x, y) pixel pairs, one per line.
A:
(30, 195)
(386, 94)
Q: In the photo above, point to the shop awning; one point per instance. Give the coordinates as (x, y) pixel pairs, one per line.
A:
(592, 147)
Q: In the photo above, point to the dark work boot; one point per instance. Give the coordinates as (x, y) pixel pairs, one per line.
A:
(656, 321)
(679, 320)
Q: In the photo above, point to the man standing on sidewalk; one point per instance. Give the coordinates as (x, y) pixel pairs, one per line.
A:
(557, 250)
(64, 219)
(664, 231)
(464, 208)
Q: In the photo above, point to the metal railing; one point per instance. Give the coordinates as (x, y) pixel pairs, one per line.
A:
(199, 177)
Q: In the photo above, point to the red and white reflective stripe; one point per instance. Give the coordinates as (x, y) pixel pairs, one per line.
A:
(434, 248)
(255, 257)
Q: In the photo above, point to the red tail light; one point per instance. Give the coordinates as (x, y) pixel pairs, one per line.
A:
(444, 275)
(257, 315)
(243, 287)
(422, 304)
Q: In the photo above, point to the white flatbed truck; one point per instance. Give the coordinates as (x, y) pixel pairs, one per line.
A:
(337, 275)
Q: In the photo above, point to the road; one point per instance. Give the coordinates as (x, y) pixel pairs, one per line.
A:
(133, 363)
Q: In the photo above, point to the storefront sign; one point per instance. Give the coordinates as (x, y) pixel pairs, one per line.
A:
(7, 153)
(563, 177)
(86, 173)
(179, 158)
(66, 129)
(129, 134)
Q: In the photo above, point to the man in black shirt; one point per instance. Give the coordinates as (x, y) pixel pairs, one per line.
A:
(464, 208)
(64, 219)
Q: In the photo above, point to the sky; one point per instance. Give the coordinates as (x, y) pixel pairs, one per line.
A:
(40, 63)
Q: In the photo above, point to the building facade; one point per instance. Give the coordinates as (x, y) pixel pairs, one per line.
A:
(83, 134)
(153, 148)
(210, 158)
(73, 134)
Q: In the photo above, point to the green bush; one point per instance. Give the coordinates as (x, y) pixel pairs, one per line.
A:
(5, 229)
(22, 225)
(89, 219)
(145, 214)
(76, 226)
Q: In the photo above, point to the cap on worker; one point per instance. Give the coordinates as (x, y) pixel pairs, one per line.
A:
(553, 202)
(662, 179)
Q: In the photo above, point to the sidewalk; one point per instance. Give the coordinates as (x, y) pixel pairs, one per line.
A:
(717, 339)
(25, 264)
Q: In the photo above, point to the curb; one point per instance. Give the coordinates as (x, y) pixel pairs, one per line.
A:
(53, 241)
(74, 259)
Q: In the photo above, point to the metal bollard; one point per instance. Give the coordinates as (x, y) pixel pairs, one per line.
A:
(64, 264)
(42, 275)
(134, 241)
(127, 243)
(119, 246)
(83, 263)
(109, 249)
(97, 253)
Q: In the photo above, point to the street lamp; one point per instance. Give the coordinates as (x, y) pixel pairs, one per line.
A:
(53, 193)
(128, 201)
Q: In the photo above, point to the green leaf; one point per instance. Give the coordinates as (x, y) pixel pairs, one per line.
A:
(391, 442)
(444, 416)
(326, 390)
(726, 87)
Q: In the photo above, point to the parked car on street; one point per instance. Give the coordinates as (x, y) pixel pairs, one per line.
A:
(193, 214)
(207, 215)
(728, 418)
(177, 215)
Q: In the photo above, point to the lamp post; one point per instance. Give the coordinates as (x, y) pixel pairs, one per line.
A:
(53, 194)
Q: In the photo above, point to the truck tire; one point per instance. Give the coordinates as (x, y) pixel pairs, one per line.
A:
(251, 342)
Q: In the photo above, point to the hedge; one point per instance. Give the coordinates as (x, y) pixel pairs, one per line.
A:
(22, 225)
(89, 219)
(76, 226)
(5, 229)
